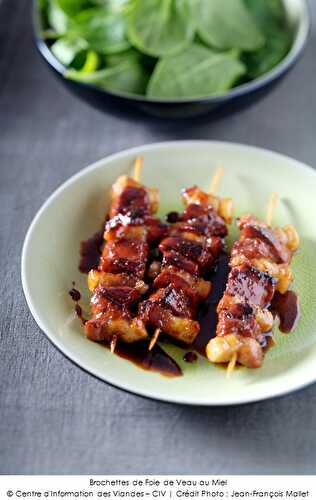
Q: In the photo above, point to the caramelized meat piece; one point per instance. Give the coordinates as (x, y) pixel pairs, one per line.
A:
(203, 220)
(183, 280)
(173, 258)
(176, 300)
(127, 226)
(252, 248)
(105, 326)
(253, 286)
(128, 232)
(131, 198)
(237, 323)
(123, 297)
(252, 228)
(129, 195)
(182, 329)
(125, 256)
(189, 249)
(111, 309)
(96, 278)
(167, 278)
(204, 254)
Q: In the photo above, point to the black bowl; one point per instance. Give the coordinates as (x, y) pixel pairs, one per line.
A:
(299, 18)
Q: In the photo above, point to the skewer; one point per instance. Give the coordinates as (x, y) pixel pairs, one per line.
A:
(137, 174)
(113, 344)
(231, 365)
(269, 217)
(271, 208)
(212, 189)
(215, 180)
(138, 165)
(154, 339)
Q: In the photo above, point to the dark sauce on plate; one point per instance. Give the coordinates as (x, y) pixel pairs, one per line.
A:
(78, 310)
(76, 296)
(207, 314)
(190, 357)
(90, 252)
(287, 307)
(156, 360)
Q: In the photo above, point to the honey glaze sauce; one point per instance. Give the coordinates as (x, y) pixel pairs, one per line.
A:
(287, 307)
(90, 252)
(76, 296)
(156, 360)
(207, 314)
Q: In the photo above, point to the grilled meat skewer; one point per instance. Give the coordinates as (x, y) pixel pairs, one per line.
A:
(260, 267)
(189, 253)
(118, 284)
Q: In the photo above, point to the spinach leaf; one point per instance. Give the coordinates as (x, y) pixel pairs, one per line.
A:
(56, 17)
(67, 48)
(73, 7)
(128, 77)
(265, 59)
(270, 17)
(227, 24)
(266, 12)
(104, 31)
(113, 5)
(160, 27)
(130, 54)
(42, 5)
(195, 72)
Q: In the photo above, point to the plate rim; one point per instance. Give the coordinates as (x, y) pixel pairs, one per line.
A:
(67, 352)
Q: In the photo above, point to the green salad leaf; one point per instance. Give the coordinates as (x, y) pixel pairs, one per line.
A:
(66, 48)
(227, 24)
(73, 7)
(113, 5)
(104, 32)
(160, 27)
(266, 12)
(130, 55)
(197, 72)
(270, 17)
(276, 48)
(57, 18)
(128, 77)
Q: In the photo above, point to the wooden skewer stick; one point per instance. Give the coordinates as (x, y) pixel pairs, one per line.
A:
(113, 343)
(215, 180)
(231, 365)
(138, 165)
(271, 208)
(154, 339)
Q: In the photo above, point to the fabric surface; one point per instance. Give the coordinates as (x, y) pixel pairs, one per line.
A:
(54, 417)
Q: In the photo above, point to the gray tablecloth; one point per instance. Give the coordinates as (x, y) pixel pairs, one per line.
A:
(55, 418)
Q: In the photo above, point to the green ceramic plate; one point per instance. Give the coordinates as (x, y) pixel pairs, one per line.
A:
(76, 210)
